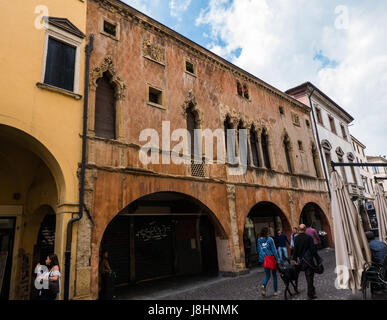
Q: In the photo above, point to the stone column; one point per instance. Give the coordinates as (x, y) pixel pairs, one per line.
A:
(238, 263)
(83, 245)
(64, 214)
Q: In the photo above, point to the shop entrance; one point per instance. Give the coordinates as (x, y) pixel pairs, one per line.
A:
(160, 236)
(264, 214)
(7, 233)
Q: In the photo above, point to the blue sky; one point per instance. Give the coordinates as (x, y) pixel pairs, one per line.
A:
(337, 45)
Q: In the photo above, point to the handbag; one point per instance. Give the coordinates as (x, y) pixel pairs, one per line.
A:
(270, 263)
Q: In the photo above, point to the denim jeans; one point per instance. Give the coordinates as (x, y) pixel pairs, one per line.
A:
(267, 278)
(282, 252)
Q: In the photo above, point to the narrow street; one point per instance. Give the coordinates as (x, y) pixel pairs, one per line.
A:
(240, 288)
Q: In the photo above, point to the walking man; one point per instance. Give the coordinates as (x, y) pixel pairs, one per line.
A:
(304, 252)
(280, 240)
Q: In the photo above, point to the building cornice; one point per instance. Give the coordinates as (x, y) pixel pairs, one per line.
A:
(309, 87)
(149, 24)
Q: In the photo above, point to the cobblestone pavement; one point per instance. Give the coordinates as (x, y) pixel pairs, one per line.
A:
(245, 287)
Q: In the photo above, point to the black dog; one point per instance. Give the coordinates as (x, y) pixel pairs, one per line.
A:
(289, 275)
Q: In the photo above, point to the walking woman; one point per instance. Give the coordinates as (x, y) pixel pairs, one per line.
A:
(53, 277)
(268, 255)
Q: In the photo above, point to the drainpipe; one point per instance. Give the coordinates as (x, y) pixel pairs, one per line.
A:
(88, 49)
(318, 141)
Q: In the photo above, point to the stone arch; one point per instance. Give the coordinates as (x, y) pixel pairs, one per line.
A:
(107, 67)
(169, 207)
(311, 213)
(264, 214)
(30, 143)
(129, 188)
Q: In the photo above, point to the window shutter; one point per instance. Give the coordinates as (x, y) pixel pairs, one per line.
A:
(60, 65)
(105, 109)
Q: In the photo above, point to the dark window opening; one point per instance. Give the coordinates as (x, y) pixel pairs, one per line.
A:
(332, 124)
(60, 65)
(287, 154)
(155, 96)
(255, 149)
(281, 110)
(239, 88)
(300, 146)
(315, 162)
(318, 115)
(246, 92)
(110, 28)
(343, 132)
(105, 113)
(189, 67)
(307, 123)
(265, 150)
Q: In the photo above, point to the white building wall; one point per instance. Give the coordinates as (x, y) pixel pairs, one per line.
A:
(336, 140)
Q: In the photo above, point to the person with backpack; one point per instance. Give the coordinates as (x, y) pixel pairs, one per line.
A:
(268, 255)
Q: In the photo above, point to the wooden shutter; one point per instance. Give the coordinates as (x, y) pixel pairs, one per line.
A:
(105, 115)
(60, 65)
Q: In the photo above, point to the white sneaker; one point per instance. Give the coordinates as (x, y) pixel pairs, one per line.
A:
(276, 293)
(263, 291)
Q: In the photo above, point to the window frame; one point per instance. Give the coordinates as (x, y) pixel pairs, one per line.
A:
(152, 104)
(319, 116)
(66, 38)
(102, 28)
(332, 121)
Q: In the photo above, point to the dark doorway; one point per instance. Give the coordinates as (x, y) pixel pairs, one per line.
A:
(7, 233)
(159, 236)
(264, 214)
(44, 247)
(312, 215)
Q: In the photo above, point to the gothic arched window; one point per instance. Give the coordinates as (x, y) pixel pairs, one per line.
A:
(105, 109)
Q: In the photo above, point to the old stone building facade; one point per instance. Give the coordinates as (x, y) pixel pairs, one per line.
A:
(146, 76)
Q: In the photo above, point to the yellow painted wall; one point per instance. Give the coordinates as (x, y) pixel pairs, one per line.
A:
(50, 124)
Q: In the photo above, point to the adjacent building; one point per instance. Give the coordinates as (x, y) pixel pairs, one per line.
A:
(157, 215)
(330, 124)
(42, 60)
(367, 210)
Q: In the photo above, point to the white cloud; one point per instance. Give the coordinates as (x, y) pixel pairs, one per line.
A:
(177, 7)
(279, 40)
